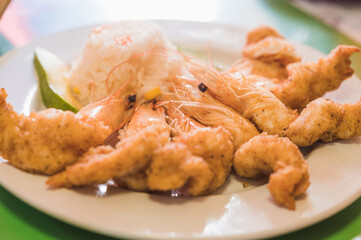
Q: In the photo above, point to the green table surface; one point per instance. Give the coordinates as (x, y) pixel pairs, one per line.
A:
(18, 220)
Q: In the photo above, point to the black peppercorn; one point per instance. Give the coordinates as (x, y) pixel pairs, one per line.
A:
(202, 87)
(132, 98)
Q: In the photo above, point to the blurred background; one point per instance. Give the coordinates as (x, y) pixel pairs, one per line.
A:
(26, 20)
(319, 23)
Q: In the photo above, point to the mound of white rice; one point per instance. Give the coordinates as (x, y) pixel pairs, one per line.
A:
(122, 44)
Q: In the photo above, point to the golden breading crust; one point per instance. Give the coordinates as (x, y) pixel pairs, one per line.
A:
(271, 49)
(47, 141)
(146, 132)
(265, 155)
(143, 118)
(260, 33)
(103, 163)
(325, 120)
(173, 166)
(214, 145)
(266, 54)
(308, 81)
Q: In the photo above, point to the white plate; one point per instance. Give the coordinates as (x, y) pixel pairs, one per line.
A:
(230, 213)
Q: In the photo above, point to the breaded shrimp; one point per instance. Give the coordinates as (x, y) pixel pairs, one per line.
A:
(266, 54)
(214, 145)
(273, 72)
(271, 115)
(271, 49)
(173, 166)
(308, 81)
(264, 155)
(47, 141)
(256, 103)
(103, 163)
(325, 120)
(136, 181)
(210, 112)
(142, 118)
(129, 156)
(275, 61)
(261, 32)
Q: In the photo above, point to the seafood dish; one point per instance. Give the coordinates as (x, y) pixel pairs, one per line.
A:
(154, 119)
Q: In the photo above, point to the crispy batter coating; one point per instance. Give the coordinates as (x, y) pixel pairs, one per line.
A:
(266, 54)
(129, 156)
(272, 71)
(214, 145)
(103, 163)
(271, 49)
(261, 32)
(136, 181)
(325, 120)
(308, 81)
(264, 155)
(144, 117)
(173, 166)
(47, 141)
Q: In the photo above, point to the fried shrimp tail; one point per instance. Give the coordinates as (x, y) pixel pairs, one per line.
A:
(308, 81)
(279, 158)
(47, 141)
(130, 155)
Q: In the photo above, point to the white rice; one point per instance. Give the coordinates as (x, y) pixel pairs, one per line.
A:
(110, 45)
